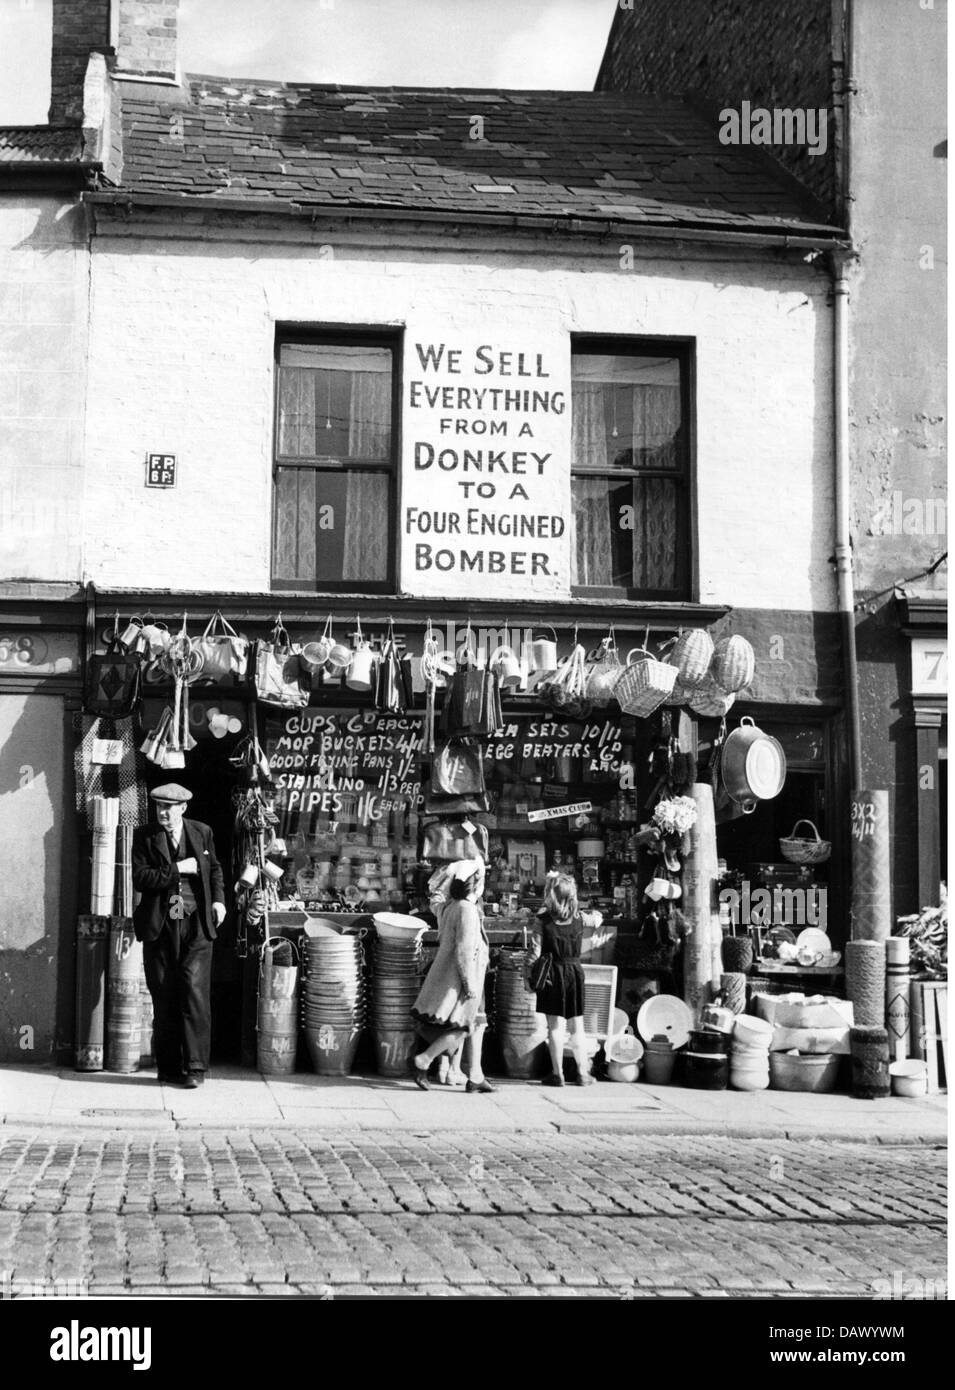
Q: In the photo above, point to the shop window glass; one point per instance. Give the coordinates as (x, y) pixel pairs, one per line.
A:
(630, 472)
(334, 466)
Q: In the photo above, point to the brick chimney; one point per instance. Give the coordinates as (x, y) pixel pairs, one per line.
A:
(147, 38)
(142, 34)
(80, 27)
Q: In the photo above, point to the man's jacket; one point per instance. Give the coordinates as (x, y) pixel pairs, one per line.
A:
(156, 877)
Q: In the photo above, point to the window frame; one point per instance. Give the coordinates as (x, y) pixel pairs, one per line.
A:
(683, 349)
(340, 335)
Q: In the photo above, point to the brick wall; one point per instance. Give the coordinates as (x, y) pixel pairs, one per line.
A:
(78, 27)
(147, 36)
(773, 53)
(181, 361)
(44, 276)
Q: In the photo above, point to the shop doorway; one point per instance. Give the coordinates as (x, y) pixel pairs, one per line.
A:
(212, 778)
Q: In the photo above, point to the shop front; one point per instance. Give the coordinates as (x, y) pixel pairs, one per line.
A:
(338, 777)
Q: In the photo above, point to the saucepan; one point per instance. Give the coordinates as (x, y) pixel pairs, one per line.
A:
(752, 766)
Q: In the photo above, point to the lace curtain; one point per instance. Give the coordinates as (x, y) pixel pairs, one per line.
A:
(350, 539)
(624, 529)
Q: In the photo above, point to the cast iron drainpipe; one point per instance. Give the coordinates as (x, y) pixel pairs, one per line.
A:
(844, 577)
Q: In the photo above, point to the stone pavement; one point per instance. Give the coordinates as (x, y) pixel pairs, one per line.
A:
(51, 1096)
(114, 1185)
(395, 1212)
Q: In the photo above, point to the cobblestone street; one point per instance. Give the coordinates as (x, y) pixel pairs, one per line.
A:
(339, 1212)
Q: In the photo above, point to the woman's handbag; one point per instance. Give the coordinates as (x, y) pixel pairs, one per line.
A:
(277, 672)
(224, 653)
(539, 975)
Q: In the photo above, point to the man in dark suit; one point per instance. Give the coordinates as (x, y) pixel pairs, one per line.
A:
(182, 906)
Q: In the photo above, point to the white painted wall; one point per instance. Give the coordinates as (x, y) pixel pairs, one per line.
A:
(181, 361)
(44, 276)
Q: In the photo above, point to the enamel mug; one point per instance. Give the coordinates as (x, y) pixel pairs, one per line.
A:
(338, 659)
(133, 637)
(361, 672)
(542, 656)
(508, 668)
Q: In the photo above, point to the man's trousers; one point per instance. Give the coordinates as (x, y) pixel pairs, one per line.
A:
(179, 975)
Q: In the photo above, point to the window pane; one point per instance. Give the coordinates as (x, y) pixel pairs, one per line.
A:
(331, 527)
(334, 402)
(626, 533)
(626, 412)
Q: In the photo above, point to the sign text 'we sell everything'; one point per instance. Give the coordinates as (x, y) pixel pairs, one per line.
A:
(486, 479)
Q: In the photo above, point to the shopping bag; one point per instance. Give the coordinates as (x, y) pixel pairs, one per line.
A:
(114, 680)
(278, 675)
(224, 653)
(457, 770)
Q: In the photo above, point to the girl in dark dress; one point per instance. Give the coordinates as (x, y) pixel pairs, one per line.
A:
(562, 998)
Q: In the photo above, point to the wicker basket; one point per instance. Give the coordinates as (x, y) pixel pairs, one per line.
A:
(710, 700)
(644, 684)
(692, 655)
(680, 695)
(733, 665)
(799, 850)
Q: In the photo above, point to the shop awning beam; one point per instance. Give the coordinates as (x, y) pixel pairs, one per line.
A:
(315, 608)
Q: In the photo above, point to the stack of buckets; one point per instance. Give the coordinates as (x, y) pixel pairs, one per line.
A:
(521, 1030)
(334, 999)
(277, 1009)
(749, 1062)
(706, 1064)
(396, 980)
(123, 1006)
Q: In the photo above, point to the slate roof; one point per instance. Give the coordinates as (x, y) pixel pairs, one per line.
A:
(586, 155)
(40, 145)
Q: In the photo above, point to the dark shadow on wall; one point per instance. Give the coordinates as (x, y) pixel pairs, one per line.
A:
(38, 895)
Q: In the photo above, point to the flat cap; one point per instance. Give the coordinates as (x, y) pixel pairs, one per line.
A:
(171, 791)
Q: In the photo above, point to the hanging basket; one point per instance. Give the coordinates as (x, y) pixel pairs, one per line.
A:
(733, 665)
(644, 684)
(681, 694)
(691, 655)
(801, 850)
(710, 701)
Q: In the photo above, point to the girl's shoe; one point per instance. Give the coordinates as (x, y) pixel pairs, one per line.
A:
(585, 1079)
(485, 1087)
(553, 1080)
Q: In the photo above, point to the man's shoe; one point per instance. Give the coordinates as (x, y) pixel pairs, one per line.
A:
(170, 1078)
(193, 1080)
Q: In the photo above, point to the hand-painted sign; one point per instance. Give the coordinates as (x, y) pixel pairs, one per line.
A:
(160, 470)
(487, 469)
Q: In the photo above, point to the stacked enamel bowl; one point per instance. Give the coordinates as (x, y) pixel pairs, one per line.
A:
(333, 999)
(396, 979)
(521, 1030)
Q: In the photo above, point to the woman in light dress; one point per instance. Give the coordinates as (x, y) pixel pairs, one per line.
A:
(449, 1009)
